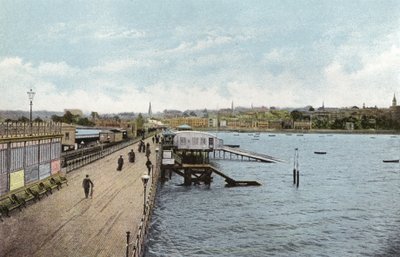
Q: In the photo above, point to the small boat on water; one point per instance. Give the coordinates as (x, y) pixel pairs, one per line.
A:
(395, 161)
(237, 134)
(319, 152)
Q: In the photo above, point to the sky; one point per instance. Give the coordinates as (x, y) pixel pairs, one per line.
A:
(119, 55)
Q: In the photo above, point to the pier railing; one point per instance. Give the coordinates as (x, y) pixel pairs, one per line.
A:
(85, 159)
(135, 247)
(26, 129)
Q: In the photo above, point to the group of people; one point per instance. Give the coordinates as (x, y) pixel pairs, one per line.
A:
(156, 139)
(88, 185)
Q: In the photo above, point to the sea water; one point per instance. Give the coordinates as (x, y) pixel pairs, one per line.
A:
(347, 203)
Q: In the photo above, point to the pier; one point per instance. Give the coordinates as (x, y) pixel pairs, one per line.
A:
(67, 224)
(188, 154)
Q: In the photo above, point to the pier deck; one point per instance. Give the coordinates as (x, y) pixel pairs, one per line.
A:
(67, 224)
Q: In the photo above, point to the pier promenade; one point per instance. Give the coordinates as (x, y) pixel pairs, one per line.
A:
(67, 224)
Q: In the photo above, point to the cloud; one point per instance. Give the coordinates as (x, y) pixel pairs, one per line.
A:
(115, 32)
(379, 73)
(56, 69)
(119, 65)
(208, 42)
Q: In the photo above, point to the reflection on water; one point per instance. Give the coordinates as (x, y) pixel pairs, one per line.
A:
(347, 203)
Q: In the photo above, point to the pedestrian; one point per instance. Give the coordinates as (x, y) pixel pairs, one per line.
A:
(148, 165)
(148, 152)
(120, 163)
(86, 184)
(153, 138)
(143, 147)
(131, 156)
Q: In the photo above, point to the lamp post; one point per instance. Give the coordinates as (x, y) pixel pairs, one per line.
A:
(82, 144)
(31, 94)
(145, 179)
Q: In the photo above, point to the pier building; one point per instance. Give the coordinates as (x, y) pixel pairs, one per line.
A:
(29, 152)
(188, 154)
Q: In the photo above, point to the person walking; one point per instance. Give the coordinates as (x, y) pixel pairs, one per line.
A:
(148, 152)
(131, 156)
(87, 184)
(120, 163)
(149, 166)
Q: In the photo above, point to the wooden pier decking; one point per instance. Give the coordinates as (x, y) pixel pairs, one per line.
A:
(240, 154)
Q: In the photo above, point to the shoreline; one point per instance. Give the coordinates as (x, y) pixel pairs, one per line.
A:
(297, 131)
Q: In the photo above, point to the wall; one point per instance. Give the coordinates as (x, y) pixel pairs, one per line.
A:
(24, 161)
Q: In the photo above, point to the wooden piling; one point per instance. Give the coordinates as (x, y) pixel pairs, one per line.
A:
(187, 177)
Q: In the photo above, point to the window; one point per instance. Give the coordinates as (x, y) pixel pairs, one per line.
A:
(66, 135)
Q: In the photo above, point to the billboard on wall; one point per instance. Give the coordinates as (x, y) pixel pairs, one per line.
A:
(3, 183)
(55, 166)
(44, 170)
(17, 179)
(31, 174)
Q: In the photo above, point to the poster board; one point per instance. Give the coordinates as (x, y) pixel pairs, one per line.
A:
(17, 179)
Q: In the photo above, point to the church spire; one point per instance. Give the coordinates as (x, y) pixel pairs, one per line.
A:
(394, 101)
(150, 112)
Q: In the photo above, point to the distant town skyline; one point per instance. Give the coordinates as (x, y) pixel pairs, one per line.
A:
(117, 56)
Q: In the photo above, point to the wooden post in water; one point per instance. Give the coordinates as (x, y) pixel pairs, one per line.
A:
(163, 174)
(297, 171)
(188, 177)
(294, 167)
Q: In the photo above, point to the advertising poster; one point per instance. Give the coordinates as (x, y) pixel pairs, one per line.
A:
(17, 179)
(44, 170)
(31, 174)
(55, 167)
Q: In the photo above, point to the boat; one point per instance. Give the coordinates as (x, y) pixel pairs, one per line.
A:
(319, 152)
(237, 134)
(396, 161)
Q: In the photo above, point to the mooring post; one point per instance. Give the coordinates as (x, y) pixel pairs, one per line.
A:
(294, 176)
(294, 165)
(297, 169)
(128, 234)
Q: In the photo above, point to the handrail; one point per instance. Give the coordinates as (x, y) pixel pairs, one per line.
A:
(26, 129)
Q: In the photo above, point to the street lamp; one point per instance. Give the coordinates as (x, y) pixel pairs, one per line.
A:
(82, 144)
(145, 179)
(31, 94)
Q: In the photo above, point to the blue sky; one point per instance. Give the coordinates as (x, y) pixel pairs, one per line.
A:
(115, 56)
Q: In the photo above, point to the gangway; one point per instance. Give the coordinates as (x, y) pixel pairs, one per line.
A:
(219, 153)
(197, 173)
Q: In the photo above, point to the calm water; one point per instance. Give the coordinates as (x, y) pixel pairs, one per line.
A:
(348, 202)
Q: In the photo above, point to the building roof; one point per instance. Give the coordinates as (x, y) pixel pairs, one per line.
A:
(87, 133)
(184, 127)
